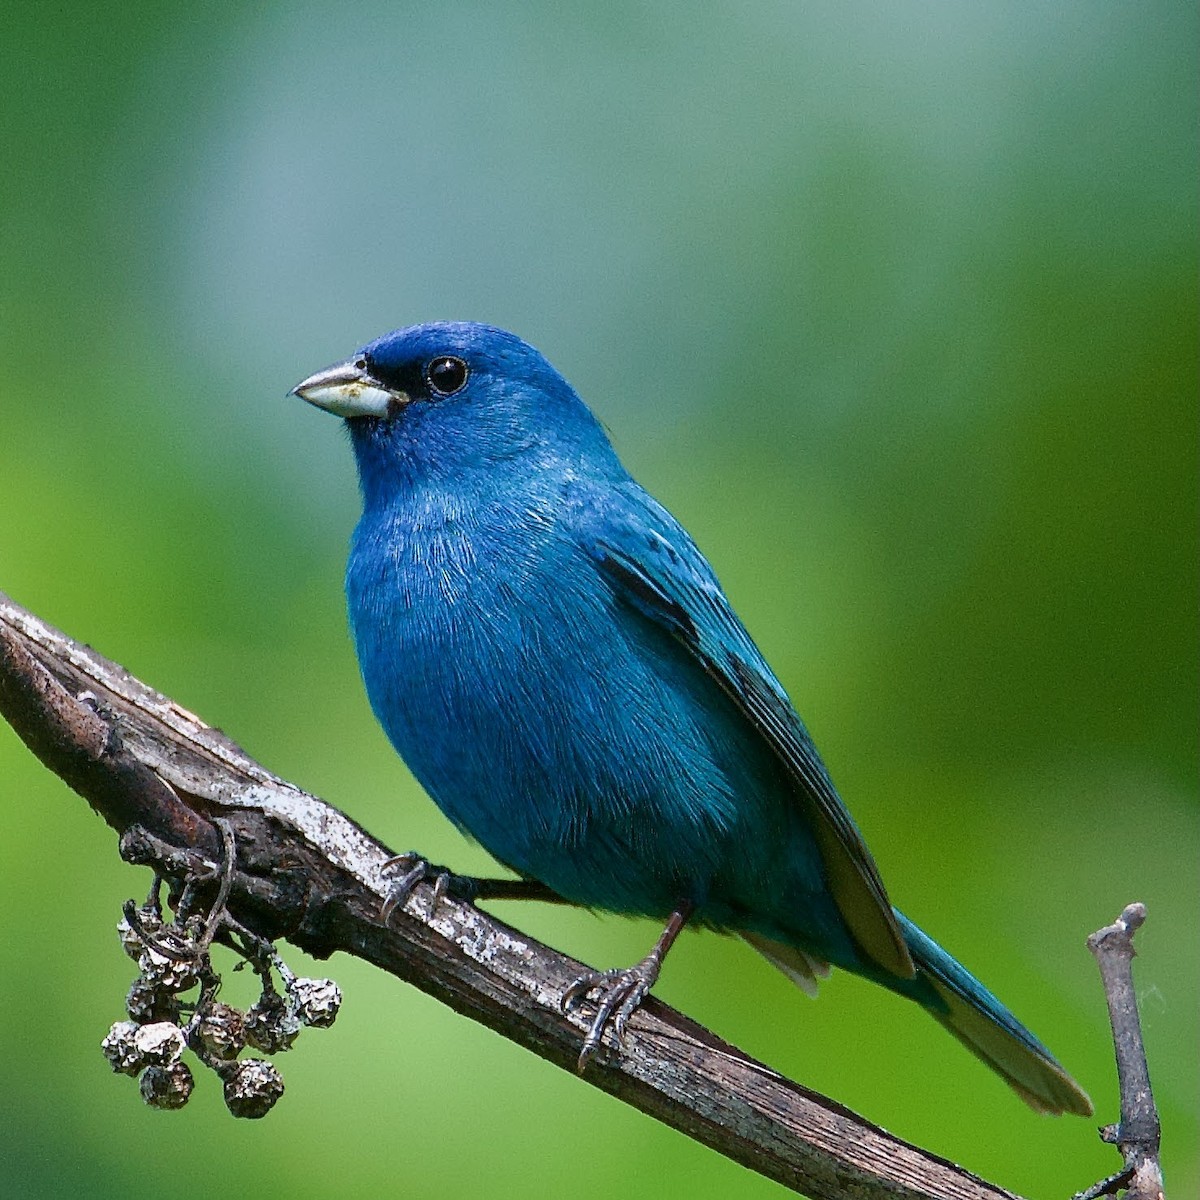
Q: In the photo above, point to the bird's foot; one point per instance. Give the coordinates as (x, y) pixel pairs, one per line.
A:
(618, 994)
(414, 869)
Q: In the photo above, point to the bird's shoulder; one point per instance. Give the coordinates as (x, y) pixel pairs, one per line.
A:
(647, 554)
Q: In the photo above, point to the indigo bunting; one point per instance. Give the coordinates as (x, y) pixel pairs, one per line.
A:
(556, 662)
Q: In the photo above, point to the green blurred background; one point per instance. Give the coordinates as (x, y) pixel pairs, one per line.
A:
(894, 305)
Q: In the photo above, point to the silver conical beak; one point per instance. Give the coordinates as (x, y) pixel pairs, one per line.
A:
(347, 390)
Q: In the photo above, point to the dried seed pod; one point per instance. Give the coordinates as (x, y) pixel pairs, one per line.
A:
(174, 974)
(160, 1043)
(315, 1001)
(148, 1002)
(131, 940)
(251, 1088)
(271, 1025)
(167, 1087)
(120, 1048)
(222, 1031)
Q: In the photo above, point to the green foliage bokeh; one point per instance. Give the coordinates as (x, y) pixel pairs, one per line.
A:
(894, 305)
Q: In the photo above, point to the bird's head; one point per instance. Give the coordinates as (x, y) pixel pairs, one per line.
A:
(437, 402)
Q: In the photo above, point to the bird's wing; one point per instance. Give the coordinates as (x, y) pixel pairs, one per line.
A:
(652, 564)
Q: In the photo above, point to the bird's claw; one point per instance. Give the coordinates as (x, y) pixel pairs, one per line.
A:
(418, 870)
(618, 995)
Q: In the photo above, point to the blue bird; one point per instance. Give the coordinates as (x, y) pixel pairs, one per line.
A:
(556, 662)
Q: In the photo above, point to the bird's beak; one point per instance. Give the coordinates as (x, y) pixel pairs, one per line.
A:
(348, 390)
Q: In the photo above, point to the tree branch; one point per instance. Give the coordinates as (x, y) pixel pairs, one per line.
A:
(1137, 1133)
(306, 872)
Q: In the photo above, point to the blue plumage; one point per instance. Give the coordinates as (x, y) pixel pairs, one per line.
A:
(558, 665)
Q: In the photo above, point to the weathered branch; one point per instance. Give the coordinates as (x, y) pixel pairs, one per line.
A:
(306, 872)
(1137, 1133)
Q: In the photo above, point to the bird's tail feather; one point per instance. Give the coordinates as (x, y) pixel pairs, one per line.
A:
(803, 969)
(956, 999)
(990, 1031)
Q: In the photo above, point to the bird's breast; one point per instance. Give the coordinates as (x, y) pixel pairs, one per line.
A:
(546, 719)
(463, 647)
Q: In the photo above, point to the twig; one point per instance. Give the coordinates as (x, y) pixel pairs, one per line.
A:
(304, 871)
(1137, 1133)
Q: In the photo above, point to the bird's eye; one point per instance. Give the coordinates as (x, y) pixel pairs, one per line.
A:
(446, 375)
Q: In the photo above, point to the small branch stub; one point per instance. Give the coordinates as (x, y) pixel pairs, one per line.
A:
(1137, 1133)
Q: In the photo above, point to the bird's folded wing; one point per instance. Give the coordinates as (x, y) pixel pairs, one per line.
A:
(653, 565)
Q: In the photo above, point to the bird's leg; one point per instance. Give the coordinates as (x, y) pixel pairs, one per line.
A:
(516, 889)
(463, 887)
(619, 992)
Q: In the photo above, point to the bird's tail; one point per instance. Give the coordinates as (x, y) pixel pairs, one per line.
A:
(970, 1012)
(957, 1000)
